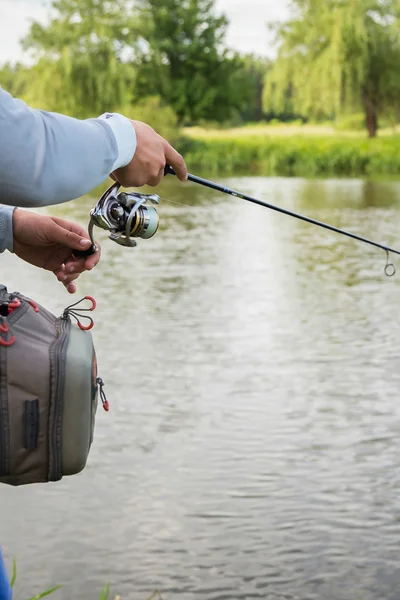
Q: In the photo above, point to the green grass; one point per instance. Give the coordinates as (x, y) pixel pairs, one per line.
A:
(260, 150)
(347, 127)
(38, 596)
(104, 595)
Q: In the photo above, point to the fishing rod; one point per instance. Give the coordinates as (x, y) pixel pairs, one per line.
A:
(128, 215)
(390, 269)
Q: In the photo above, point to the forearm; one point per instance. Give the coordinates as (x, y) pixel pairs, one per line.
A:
(47, 158)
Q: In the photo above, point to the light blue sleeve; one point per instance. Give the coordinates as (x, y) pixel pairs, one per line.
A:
(47, 158)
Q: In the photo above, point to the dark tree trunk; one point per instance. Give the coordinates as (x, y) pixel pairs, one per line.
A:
(371, 117)
(259, 108)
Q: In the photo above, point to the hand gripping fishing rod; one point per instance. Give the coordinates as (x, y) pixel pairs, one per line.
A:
(390, 269)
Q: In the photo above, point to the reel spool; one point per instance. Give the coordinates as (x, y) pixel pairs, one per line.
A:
(126, 215)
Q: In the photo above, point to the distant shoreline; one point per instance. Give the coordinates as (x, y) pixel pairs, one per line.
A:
(291, 150)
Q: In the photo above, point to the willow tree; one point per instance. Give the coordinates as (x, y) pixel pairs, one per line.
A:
(335, 57)
(13, 78)
(81, 65)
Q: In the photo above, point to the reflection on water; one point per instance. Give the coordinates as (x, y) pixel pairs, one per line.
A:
(252, 448)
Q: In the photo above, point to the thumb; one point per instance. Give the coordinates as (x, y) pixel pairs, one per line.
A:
(61, 235)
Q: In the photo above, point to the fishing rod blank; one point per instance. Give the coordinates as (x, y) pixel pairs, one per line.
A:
(389, 269)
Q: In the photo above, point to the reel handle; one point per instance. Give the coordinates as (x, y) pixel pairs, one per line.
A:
(85, 253)
(169, 170)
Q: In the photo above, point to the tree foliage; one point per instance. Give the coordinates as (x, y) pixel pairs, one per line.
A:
(80, 66)
(337, 56)
(142, 57)
(98, 55)
(182, 58)
(250, 79)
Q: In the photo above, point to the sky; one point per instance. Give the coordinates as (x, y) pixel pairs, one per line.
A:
(247, 31)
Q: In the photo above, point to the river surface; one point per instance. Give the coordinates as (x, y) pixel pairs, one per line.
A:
(252, 363)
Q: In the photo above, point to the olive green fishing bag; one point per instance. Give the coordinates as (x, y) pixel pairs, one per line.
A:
(48, 391)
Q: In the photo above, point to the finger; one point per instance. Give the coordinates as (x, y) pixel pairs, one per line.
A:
(71, 288)
(71, 226)
(176, 161)
(74, 265)
(126, 178)
(69, 278)
(64, 278)
(93, 259)
(154, 181)
(60, 273)
(65, 235)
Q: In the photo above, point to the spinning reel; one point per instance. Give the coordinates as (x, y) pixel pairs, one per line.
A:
(125, 215)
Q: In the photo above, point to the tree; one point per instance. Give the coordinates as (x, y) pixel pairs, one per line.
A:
(97, 55)
(181, 58)
(80, 66)
(252, 77)
(337, 56)
(13, 79)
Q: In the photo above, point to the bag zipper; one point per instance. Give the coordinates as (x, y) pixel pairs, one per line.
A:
(4, 417)
(4, 413)
(58, 351)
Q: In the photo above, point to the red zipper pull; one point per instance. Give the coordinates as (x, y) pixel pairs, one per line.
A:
(106, 404)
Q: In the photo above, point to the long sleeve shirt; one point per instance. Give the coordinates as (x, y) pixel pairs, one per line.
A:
(47, 158)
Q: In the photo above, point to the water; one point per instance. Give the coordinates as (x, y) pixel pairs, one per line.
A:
(252, 365)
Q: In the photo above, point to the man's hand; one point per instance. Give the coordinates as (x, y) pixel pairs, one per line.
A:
(49, 243)
(152, 154)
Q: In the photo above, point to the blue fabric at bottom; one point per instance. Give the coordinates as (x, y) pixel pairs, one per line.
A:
(5, 588)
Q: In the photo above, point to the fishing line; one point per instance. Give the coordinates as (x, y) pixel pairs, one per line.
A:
(390, 269)
(178, 203)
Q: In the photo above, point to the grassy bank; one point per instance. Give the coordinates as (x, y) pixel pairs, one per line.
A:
(291, 151)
